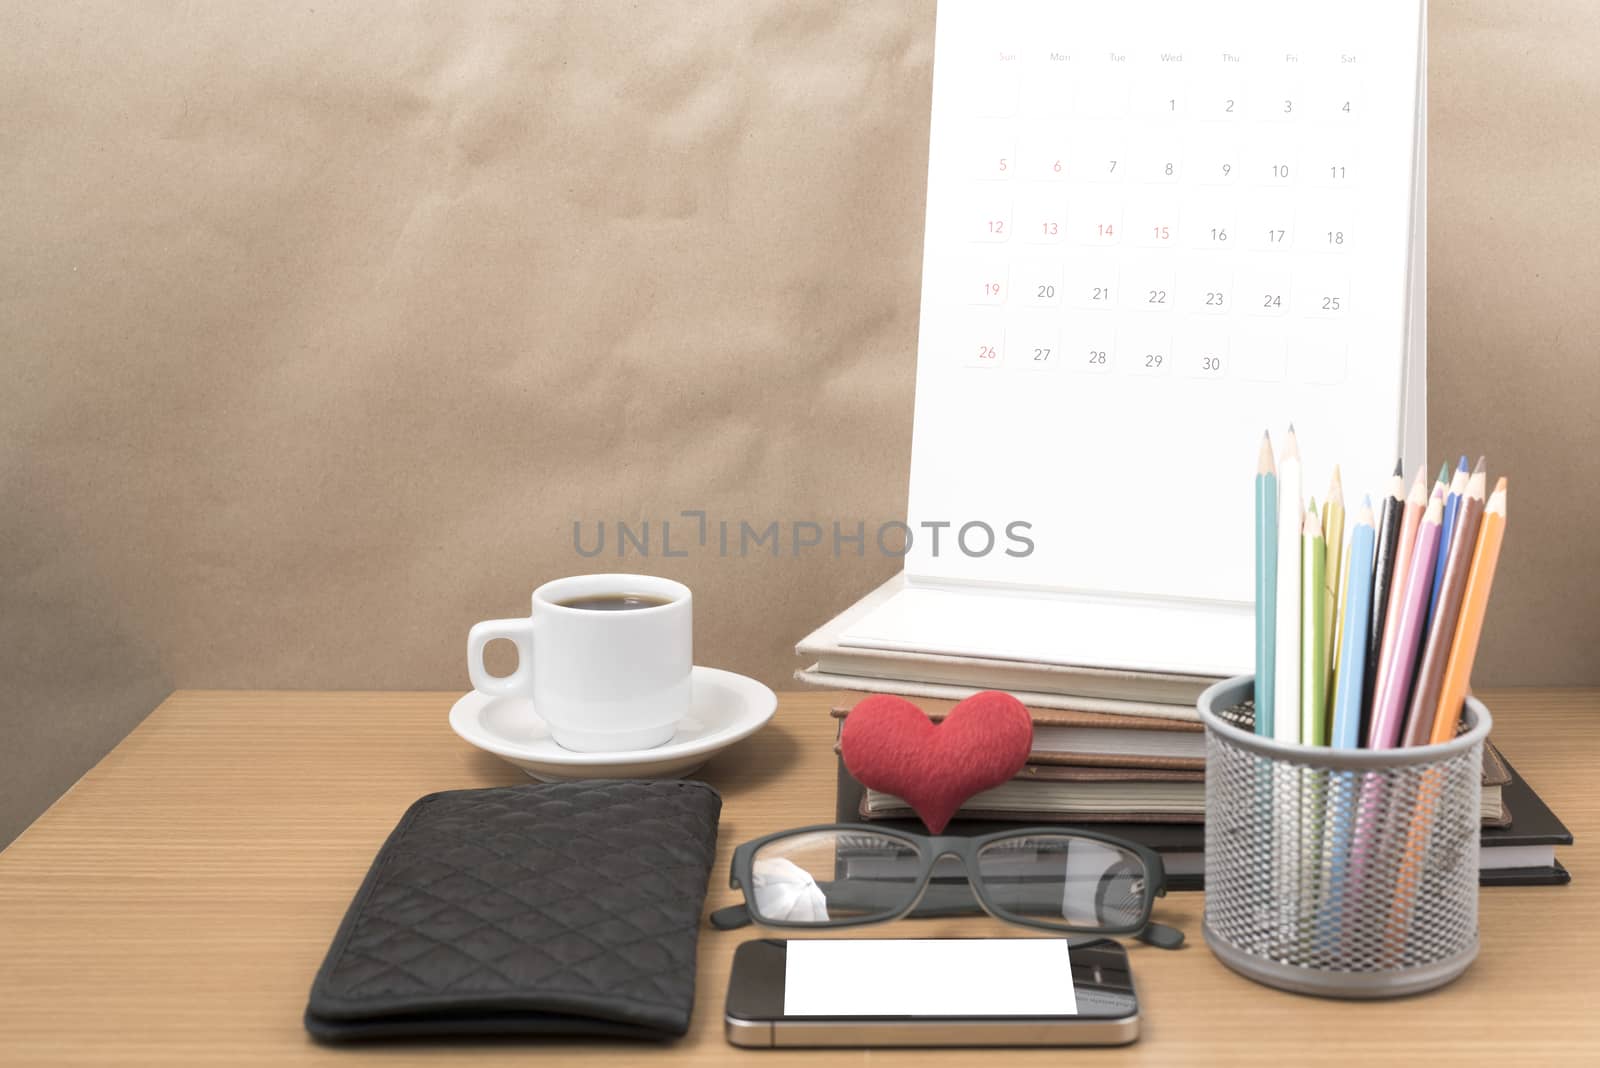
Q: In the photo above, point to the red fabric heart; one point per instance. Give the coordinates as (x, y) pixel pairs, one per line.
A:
(890, 744)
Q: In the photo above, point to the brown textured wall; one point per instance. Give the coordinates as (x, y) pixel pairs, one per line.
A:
(322, 326)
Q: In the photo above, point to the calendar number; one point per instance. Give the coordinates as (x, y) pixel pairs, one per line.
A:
(1157, 296)
(1275, 237)
(997, 226)
(1271, 300)
(1097, 357)
(1227, 169)
(1211, 363)
(1152, 360)
(1288, 107)
(1041, 355)
(1227, 107)
(1161, 233)
(1105, 230)
(987, 352)
(1056, 167)
(1330, 303)
(1335, 172)
(1335, 237)
(1005, 164)
(1050, 229)
(1100, 293)
(1219, 233)
(1213, 300)
(1046, 292)
(1113, 168)
(1280, 170)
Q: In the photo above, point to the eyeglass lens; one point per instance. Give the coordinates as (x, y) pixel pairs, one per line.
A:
(832, 875)
(1066, 879)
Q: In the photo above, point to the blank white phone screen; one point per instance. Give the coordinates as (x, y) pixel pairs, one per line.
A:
(929, 977)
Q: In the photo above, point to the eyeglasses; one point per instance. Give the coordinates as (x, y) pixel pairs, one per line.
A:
(843, 875)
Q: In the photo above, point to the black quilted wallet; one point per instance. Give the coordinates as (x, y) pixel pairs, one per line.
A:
(558, 909)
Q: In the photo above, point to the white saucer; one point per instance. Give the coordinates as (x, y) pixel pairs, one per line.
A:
(725, 708)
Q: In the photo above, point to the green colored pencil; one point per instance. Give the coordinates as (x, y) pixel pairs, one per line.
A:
(1313, 634)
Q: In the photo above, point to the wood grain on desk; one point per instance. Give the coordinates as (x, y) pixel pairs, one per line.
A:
(173, 907)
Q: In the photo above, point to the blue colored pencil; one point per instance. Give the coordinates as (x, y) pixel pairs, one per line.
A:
(1452, 506)
(1353, 655)
(1266, 584)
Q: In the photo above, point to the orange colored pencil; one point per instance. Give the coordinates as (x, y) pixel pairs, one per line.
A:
(1474, 602)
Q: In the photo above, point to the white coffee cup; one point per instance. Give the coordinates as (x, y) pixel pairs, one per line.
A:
(604, 680)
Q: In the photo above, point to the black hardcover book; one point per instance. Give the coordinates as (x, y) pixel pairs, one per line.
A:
(1183, 844)
(1532, 824)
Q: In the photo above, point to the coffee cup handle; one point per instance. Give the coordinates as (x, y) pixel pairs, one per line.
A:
(519, 682)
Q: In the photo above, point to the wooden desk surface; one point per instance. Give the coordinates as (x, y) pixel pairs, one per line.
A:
(173, 907)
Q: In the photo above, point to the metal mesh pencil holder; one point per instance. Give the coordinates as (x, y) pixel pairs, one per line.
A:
(1341, 872)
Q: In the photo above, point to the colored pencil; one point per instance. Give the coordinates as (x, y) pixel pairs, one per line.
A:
(1337, 644)
(1266, 582)
(1469, 627)
(1313, 628)
(1457, 555)
(1400, 647)
(1410, 519)
(1452, 504)
(1333, 538)
(1386, 541)
(1346, 730)
(1286, 678)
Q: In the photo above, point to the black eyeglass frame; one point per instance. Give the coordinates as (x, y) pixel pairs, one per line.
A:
(930, 849)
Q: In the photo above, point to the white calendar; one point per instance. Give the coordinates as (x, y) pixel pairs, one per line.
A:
(1153, 229)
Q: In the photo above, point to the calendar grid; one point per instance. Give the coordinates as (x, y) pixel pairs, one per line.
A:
(1152, 230)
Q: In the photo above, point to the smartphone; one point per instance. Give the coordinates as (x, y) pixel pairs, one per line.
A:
(930, 992)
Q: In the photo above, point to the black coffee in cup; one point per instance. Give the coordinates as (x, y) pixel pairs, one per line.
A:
(614, 602)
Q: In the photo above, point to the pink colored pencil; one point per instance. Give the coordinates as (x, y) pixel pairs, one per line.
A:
(1394, 684)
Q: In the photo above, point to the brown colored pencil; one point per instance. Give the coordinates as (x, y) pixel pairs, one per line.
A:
(1436, 646)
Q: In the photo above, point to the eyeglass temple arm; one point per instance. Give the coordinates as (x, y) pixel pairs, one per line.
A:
(957, 899)
(730, 918)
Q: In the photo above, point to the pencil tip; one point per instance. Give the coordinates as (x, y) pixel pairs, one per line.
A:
(1462, 466)
(1444, 472)
(1265, 465)
(1497, 499)
(1400, 468)
(1479, 469)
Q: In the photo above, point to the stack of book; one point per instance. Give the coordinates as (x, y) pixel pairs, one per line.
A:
(1086, 767)
(1143, 779)
(839, 665)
